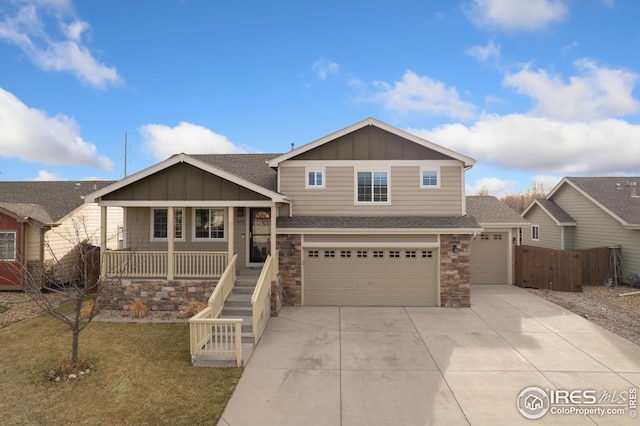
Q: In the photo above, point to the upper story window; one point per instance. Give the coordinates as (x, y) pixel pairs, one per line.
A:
(7, 246)
(535, 232)
(315, 179)
(430, 178)
(208, 224)
(159, 223)
(373, 187)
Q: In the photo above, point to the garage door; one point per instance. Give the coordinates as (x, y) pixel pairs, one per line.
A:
(489, 258)
(367, 277)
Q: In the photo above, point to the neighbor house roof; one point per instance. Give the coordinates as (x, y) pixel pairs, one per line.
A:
(618, 196)
(391, 223)
(468, 161)
(46, 201)
(488, 210)
(557, 213)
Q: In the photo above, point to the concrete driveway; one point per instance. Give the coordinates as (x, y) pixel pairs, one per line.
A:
(420, 366)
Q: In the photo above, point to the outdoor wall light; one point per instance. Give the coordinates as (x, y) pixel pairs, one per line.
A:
(454, 248)
(292, 249)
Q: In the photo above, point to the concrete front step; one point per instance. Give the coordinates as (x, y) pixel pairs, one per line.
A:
(223, 361)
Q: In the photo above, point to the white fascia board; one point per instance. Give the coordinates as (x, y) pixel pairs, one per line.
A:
(467, 161)
(378, 231)
(187, 203)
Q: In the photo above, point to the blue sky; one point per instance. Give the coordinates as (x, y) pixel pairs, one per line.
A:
(532, 89)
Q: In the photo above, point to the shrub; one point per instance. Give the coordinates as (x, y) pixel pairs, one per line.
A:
(192, 309)
(88, 307)
(139, 309)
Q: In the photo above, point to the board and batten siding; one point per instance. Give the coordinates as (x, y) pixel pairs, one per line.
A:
(550, 235)
(406, 195)
(596, 228)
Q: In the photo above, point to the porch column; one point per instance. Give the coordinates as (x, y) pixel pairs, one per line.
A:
(171, 228)
(103, 241)
(274, 212)
(231, 212)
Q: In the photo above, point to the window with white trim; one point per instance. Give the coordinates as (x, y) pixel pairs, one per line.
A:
(430, 179)
(372, 187)
(535, 232)
(315, 179)
(159, 220)
(8, 246)
(208, 224)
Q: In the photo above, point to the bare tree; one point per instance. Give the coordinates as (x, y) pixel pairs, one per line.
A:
(520, 201)
(72, 270)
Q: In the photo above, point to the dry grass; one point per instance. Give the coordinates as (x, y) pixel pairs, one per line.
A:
(139, 309)
(141, 374)
(192, 309)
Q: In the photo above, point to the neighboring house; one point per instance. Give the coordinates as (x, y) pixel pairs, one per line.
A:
(588, 212)
(492, 260)
(40, 224)
(368, 215)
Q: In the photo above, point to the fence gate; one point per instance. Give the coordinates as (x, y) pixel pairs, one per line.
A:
(548, 269)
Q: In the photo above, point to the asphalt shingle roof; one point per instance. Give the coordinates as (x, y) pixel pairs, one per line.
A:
(377, 222)
(46, 201)
(558, 213)
(250, 167)
(488, 209)
(614, 193)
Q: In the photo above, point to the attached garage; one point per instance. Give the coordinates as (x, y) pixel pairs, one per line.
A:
(365, 276)
(490, 258)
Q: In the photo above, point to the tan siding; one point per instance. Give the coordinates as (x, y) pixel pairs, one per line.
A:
(32, 243)
(82, 225)
(407, 198)
(550, 233)
(596, 228)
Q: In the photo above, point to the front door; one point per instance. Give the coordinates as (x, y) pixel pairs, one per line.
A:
(259, 234)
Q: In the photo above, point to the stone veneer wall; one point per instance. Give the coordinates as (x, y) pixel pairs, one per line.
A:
(455, 272)
(290, 293)
(158, 295)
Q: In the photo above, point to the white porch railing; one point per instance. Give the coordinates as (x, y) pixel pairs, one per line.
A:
(260, 300)
(153, 264)
(213, 336)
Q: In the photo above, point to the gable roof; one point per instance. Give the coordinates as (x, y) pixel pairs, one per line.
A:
(467, 161)
(248, 170)
(615, 195)
(488, 210)
(554, 211)
(46, 201)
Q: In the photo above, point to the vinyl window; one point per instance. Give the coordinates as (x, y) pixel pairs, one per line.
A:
(372, 187)
(315, 179)
(535, 232)
(160, 219)
(208, 224)
(8, 246)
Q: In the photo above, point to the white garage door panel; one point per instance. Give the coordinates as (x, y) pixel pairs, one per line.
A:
(405, 278)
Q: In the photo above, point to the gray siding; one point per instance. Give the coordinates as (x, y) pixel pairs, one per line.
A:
(596, 228)
(550, 235)
(407, 198)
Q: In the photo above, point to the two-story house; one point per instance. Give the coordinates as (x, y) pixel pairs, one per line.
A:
(368, 216)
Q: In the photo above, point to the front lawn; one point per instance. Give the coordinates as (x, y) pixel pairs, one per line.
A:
(141, 375)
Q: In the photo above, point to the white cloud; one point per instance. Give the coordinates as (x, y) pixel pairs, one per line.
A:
(484, 53)
(423, 94)
(44, 175)
(494, 186)
(163, 141)
(524, 15)
(541, 145)
(323, 67)
(49, 52)
(31, 135)
(597, 92)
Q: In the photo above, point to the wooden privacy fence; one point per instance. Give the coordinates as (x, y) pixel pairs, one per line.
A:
(548, 269)
(561, 270)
